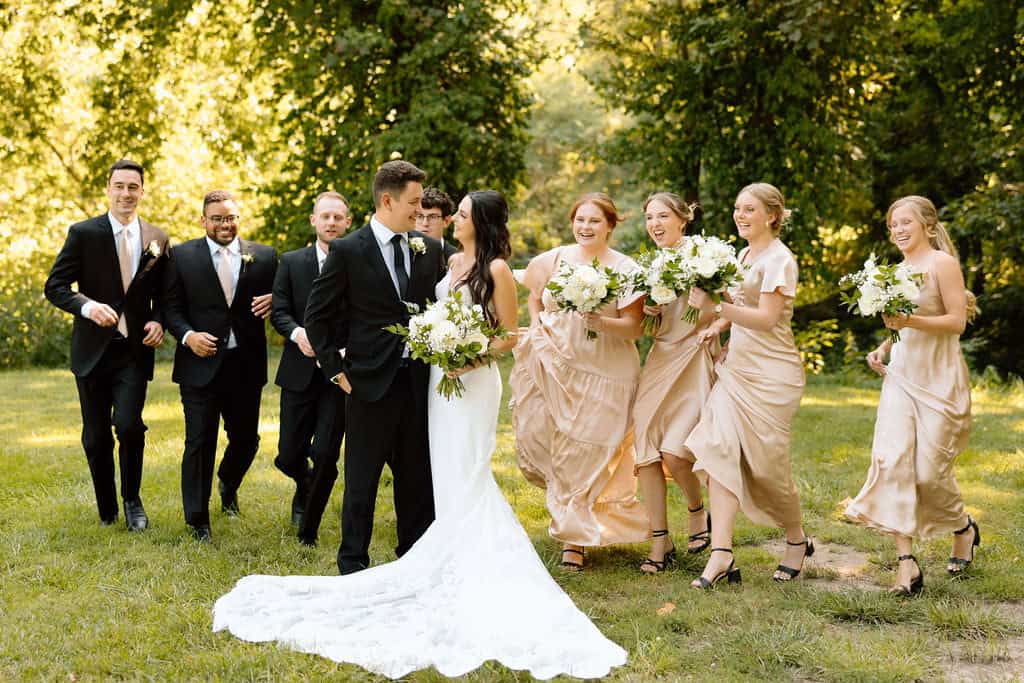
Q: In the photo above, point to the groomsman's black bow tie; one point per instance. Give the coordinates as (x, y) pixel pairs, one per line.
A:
(403, 277)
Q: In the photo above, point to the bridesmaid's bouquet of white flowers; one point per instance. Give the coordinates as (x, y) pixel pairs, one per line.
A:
(664, 275)
(451, 335)
(882, 288)
(585, 287)
(713, 266)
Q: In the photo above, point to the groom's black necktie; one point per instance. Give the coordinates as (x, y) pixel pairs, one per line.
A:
(403, 277)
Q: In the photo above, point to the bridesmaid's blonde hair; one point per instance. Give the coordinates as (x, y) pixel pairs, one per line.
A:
(938, 237)
(675, 204)
(771, 197)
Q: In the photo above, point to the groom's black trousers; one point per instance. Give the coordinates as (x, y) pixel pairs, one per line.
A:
(112, 395)
(392, 430)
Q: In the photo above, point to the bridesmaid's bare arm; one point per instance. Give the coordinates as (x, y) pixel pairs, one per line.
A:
(629, 324)
(770, 307)
(505, 305)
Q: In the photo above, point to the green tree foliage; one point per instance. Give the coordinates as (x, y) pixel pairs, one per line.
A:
(439, 83)
(845, 106)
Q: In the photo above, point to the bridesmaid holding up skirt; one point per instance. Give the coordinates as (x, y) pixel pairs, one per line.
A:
(741, 444)
(571, 396)
(675, 381)
(924, 411)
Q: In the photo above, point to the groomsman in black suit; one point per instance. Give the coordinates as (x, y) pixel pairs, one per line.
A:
(435, 215)
(368, 277)
(117, 261)
(218, 293)
(312, 409)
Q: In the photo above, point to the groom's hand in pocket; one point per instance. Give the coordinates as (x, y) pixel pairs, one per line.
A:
(342, 381)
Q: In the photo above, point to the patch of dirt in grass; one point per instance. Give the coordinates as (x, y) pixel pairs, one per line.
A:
(974, 661)
(832, 567)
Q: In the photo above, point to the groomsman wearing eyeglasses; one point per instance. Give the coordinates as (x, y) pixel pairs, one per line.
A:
(312, 422)
(117, 261)
(435, 215)
(218, 292)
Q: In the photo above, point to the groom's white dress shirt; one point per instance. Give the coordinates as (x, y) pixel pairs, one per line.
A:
(384, 235)
(134, 237)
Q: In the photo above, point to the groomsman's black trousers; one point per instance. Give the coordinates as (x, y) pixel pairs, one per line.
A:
(392, 430)
(112, 396)
(312, 428)
(231, 395)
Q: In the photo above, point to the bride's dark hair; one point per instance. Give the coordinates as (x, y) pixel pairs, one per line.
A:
(490, 221)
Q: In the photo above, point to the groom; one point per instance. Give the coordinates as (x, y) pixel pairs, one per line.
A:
(367, 278)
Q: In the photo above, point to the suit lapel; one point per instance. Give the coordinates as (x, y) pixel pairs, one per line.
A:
(110, 246)
(208, 271)
(312, 265)
(244, 249)
(420, 271)
(375, 258)
(149, 235)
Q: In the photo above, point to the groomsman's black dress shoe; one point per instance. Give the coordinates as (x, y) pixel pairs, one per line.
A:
(350, 568)
(108, 521)
(307, 541)
(135, 515)
(299, 499)
(228, 499)
(201, 533)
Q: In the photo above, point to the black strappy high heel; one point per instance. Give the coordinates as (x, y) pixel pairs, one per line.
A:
(572, 566)
(789, 571)
(704, 536)
(916, 585)
(961, 563)
(730, 574)
(668, 558)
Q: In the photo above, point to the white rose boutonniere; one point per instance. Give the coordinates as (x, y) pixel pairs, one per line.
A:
(246, 257)
(417, 245)
(153, 249)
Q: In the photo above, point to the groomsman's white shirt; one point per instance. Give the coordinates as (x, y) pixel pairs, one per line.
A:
(134, 248)
(235, 261)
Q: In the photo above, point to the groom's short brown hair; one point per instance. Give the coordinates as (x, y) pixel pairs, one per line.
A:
(392, 177)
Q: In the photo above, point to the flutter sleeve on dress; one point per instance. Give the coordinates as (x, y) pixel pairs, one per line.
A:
(626, 266)
(539, 271)
(780, 271)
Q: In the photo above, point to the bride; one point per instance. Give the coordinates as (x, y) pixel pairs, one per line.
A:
(472, 588)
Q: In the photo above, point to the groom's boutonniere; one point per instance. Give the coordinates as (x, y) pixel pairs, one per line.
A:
(153, 249)
(417, 245)
(246, 257)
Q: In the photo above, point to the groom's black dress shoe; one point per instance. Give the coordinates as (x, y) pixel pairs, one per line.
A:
(201, 533)
(307, 541)
(108, 521)
(228, 499)
(352, 568)
(135, 515)
(299, 499)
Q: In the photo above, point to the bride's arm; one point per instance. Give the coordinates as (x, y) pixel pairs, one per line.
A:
(505, 305)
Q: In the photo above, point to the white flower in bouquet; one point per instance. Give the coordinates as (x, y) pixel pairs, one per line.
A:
(662, 275)
(662, 295)
(713, 267)
(451, 335)
(584, 287)
(882, 288)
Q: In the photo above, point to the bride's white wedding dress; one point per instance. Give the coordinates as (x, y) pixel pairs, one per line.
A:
(471, 589)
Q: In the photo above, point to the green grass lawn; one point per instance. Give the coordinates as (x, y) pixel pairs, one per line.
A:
(83, 602)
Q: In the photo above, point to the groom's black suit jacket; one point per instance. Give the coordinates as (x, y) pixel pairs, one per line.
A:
(195, 301)
(355, 285)
(89, 258)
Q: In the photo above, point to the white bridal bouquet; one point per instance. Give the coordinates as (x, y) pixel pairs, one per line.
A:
(664, 276)
(585, 287)
(451, 335)
(882, 288)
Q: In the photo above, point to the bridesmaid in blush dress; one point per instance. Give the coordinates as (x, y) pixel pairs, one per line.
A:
(571, 396)
(675, 381)
(741, 443)
(924, 411)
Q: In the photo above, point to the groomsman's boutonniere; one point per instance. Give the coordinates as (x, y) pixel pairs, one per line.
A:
(153, 249)
(246, 257)
(417, 245)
